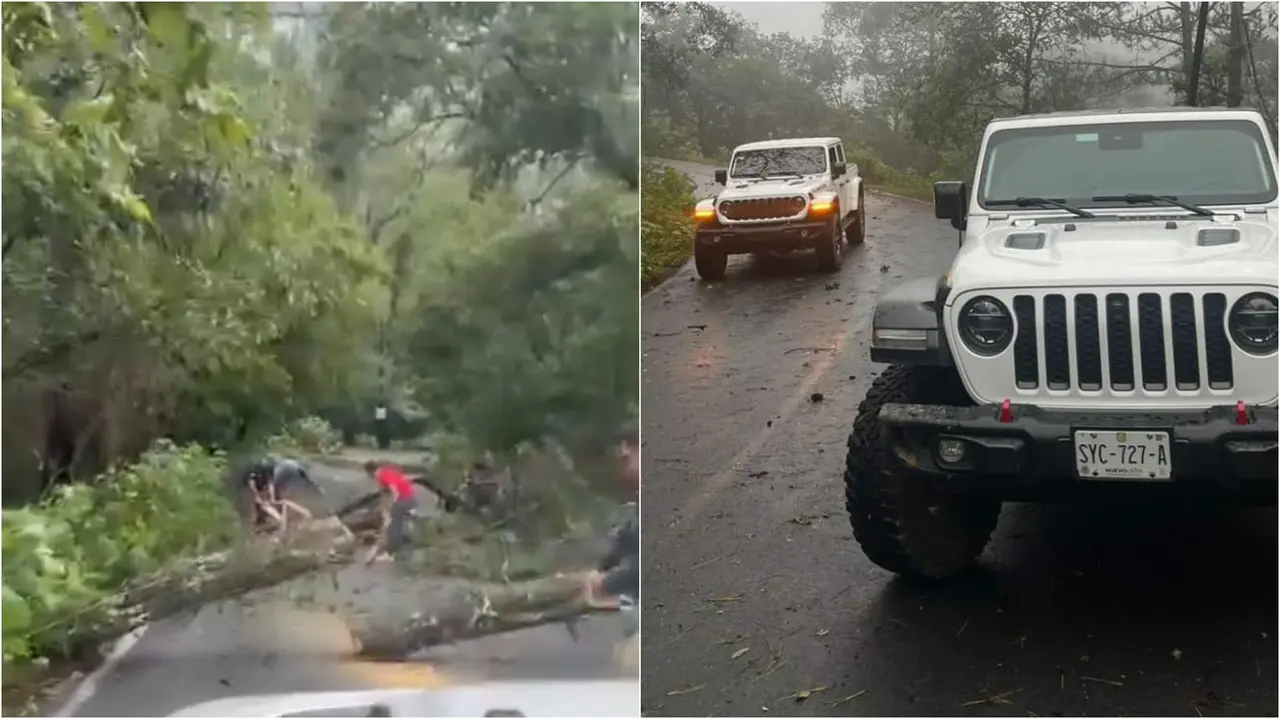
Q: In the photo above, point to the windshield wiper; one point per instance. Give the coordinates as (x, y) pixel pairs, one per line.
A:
(1135, 198)
(781, 173)
(1043, 202)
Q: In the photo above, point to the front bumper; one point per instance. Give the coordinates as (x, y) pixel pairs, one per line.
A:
(739, 239)
(1035, 451)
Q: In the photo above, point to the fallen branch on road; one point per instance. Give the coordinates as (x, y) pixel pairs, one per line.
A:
(488, 610)
(184, 585)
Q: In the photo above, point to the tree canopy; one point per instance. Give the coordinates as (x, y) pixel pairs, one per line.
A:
(220, 217)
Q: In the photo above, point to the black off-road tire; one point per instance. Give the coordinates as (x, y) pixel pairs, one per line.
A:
(710, 263)
(902, 522)
(830, 249)
(856, 232)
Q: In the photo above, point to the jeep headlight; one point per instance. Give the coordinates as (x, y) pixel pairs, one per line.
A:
(821, 203)
(986, 326)
(1253, 323)
(704, 211)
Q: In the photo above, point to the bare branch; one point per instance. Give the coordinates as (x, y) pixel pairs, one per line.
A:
(572, 163)
(442, 117)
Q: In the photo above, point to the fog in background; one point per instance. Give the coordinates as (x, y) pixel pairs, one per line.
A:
(911, 85)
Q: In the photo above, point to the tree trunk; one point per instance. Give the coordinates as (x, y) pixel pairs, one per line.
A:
(1197, 58)
(1235, 60)
(491, 609)
(1188, 27)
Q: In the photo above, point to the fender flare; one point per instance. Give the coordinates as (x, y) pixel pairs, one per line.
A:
(857, 194)
(913, 305)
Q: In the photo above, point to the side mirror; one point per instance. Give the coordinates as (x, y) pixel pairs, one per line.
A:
(950, 200)
(722, 177)
(838, 170)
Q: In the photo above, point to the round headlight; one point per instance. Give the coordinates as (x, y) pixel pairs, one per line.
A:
(986, 325)
(1253, 323)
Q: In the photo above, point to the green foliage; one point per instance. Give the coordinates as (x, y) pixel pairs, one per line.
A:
(66, 554)
(528, 333)
(666, 224)
(309, 435)
(280, 217)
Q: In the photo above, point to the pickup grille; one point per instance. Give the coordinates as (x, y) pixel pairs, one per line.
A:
(1091, 341)
(762, 208)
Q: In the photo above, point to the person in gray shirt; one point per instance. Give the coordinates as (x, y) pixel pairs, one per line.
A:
(617, 577)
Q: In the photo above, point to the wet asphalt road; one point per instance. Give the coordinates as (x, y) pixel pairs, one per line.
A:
(267, 643)
(755, 591)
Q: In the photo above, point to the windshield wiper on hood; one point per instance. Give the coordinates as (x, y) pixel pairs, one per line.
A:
(782, 173)
(1043, 202)
(1135, 198)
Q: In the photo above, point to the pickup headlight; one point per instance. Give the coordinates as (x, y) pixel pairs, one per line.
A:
(986, 326)
(1253, 323)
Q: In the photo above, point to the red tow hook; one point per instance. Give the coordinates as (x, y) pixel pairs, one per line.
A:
(1006, 412)
(1242, 415)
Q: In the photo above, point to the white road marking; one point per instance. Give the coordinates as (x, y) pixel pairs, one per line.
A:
(89, 685)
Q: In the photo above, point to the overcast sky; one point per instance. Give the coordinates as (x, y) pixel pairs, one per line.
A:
(802, 19)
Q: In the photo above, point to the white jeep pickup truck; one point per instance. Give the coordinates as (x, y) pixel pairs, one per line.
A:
(781, 196)
(1109, 324)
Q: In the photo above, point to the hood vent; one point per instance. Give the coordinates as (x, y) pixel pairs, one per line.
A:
(1215, 236)
(1025, 241)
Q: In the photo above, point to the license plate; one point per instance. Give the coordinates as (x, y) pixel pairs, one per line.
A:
(1122, 455)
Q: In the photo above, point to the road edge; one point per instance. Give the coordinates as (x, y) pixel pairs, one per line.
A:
(79, 690)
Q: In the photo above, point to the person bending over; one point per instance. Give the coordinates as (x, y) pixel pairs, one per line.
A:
(267, 479)
(397, 508)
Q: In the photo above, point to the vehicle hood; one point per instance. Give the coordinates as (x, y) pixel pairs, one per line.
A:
(1150, 251)
(533, 699)
(739, 189)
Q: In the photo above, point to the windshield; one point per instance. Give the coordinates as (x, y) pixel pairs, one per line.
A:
(779, 161)
(1222, 162)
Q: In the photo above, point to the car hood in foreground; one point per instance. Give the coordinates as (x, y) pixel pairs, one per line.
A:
(533, 699)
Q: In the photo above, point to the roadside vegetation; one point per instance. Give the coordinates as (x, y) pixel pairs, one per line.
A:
(666, 222)
(238, 227)
(909, 86)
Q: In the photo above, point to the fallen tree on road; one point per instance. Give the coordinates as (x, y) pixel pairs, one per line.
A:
(323, 545)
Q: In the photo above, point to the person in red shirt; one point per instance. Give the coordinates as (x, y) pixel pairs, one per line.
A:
(397, 508)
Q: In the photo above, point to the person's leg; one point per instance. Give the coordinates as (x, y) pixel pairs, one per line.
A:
(398, 527)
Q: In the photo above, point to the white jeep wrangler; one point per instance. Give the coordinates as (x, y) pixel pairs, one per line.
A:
(1109, 324)
(781, 196)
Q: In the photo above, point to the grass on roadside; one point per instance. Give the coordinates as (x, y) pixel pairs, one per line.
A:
(666, 234)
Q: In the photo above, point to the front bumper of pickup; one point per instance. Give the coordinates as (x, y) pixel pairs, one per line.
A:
(1028, 451)
(781, 236)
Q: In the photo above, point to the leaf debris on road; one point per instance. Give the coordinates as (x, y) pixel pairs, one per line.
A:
(847, 699)
(1001, 698)
(740, 652)
(688, 690)
(804, 694)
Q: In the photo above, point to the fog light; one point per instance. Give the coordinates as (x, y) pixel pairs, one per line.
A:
(950, 451)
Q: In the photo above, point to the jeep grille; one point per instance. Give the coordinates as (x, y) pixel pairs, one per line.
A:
(762, 208)
(1116, 347)
(1140, 346)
